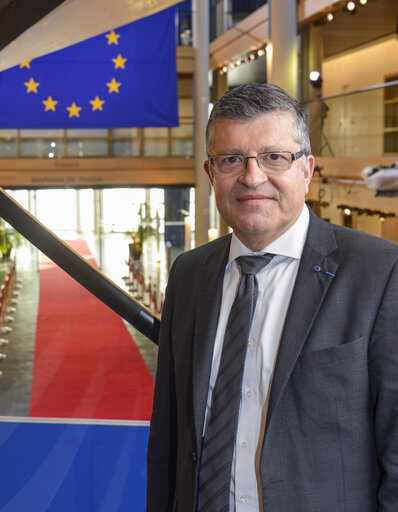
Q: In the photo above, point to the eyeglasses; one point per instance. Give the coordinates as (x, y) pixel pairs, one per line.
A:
(272, 162)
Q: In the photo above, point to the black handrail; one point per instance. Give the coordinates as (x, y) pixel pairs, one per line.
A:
(77, 267)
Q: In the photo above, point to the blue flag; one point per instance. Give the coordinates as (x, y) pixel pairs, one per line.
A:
(123, 78)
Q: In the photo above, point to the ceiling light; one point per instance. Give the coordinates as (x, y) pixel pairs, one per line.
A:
(363, 2)
(351, 6)
(329, 16)
(315, 79)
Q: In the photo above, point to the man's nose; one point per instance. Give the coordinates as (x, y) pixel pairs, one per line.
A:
(252, 176)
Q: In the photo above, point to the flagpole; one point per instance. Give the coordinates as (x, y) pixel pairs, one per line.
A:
(80, 269)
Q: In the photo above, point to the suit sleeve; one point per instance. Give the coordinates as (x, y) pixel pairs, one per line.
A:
(162, 446)
(383, 373)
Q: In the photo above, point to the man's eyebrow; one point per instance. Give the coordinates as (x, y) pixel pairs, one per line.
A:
(238, 151)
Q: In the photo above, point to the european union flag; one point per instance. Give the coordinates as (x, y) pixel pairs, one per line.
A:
(124, 78)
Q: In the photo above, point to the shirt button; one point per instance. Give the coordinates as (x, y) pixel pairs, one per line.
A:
(244, 444)
(243, 498)
(250, 344)
(249, 393)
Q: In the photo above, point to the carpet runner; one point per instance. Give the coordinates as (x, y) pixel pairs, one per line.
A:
(86, 365)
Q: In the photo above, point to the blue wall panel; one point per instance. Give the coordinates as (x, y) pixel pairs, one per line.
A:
(72, 467)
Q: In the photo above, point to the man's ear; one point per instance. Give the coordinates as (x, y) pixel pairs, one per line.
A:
(206, 166)
(309, 171)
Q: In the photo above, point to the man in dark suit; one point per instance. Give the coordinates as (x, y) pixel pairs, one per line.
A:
(317, 425)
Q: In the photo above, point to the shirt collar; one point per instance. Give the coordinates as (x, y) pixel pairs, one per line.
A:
(290, 244)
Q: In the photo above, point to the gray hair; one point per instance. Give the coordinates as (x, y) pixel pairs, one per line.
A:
(252, 100)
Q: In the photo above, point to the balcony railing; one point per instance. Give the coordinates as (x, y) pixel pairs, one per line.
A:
(126, 142)
(353, 124)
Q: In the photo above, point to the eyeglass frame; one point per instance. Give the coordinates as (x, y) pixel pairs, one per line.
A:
(293, 156)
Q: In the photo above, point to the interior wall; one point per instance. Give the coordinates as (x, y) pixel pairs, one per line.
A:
(363, 67)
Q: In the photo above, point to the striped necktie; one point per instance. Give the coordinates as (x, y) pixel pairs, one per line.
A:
(219, 439)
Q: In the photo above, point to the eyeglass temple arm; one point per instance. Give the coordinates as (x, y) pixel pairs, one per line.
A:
(77, 267)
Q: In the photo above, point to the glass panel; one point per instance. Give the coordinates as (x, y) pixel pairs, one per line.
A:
(42, 133)
(126, 216)
(181, 147)
(184, 130)
(185, 107)
(184, 86)
(56, 209)
(125, 133)
(391, 92)
(85, 148)
(156, 141)
(391, 142)
(348, 126)
(8, 134)
(125, 148)
(42, 148)
(87, 133)
(86, 209)
(391, 114)
(8, 149)
(155, 147)
(156, 132)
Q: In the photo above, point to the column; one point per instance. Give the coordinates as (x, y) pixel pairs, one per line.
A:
(200, 25)
(282, 56)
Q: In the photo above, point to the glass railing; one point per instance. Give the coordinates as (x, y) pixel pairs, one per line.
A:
(362, 123)
(125, 142)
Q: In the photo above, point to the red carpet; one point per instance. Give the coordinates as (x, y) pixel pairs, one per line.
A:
(86, 364)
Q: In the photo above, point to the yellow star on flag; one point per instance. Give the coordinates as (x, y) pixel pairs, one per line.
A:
(113, 86)
(74, 110)
(119, 62)
(50, 104)
(31, 86)
(97, 103)
(25, 64)
(112, 37)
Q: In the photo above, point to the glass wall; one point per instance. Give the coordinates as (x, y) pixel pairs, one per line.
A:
(360, 124)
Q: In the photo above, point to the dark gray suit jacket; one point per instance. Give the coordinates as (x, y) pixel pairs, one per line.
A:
(331, 441)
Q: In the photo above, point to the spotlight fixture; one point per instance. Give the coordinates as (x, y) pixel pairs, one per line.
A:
(260, 52)
(252, 56)
(351, 6)
(363, 2)
(347, 211)
(329, 16)
(315, 79)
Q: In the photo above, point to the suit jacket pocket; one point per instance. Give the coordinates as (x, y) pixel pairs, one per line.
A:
(332, 354)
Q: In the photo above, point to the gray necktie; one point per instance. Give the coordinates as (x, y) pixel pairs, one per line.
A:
(219, 439)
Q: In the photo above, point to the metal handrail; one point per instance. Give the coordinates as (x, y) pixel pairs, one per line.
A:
(349, 93)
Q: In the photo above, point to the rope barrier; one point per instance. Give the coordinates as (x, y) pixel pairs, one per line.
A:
(143, 290)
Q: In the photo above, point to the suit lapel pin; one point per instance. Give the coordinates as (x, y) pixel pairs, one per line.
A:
(317, 268)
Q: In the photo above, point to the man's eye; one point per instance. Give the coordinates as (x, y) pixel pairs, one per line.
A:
(232, 160)
(275, 156)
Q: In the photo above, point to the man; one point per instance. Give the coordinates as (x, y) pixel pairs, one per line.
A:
(316, 429)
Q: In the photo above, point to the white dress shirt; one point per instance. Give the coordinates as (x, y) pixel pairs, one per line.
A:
(275, 283)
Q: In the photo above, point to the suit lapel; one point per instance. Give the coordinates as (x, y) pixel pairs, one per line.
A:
(211, 276)
(312, 283)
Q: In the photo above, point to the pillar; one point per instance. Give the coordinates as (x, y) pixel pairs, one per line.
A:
(282, 56)
(200, 25)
